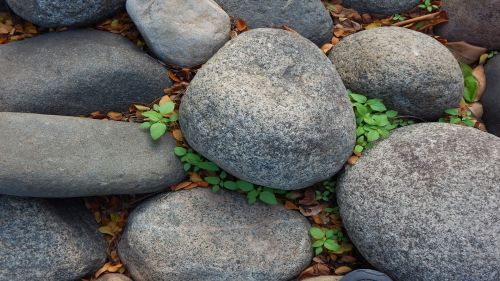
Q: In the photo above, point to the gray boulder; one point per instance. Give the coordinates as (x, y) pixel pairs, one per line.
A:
(56, 156)
(307, 17)
(199, 235)
(76, 73)
(491, 98)
(412, 72)
(271, 109)
(424, 204)
(114, 277)
(383, 7)
(56, 13)
(48, 240)
(181, 32)
(475, 22)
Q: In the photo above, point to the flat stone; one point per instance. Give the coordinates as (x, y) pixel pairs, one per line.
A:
(491, 98)
(76, 73)
(383, 7)
(271, 109)
(309, 18)
(56, 13)
(57, 156)
(181, 32)
(114, 277)
(410, 71)
(48, 240)
(475, 22)
(424, 204)
(199, 235)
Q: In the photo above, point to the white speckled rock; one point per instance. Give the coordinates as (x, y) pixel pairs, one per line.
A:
(384, 7)
(181, 32)
(412, 72)
(271, 109)
(198, 235)
(424, 204)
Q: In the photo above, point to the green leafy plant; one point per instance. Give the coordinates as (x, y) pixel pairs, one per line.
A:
(454, 116)
(491, 54)
(398, 17)
(329, 239)
(158, 119)
(427, 5)
(470, 83)
(326, 195)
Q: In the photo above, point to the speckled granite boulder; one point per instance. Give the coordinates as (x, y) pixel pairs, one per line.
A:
(44, 239)
(114, 277)
(307, 17)
(491, 98)
(424, 204)
(383, 7)
(199, 235)
(271, 109)
(57, 156)
(412, 72)
(54, 13)
(475, 22)
(181, 32)
(76, 73)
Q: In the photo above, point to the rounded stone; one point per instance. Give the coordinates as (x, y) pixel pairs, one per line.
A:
(199, 235)
(424, 204)
(57, 13)
(411, 72)
(383, 7)
(271, 109)
(491, 98)
(114, 277)
(366, 275)
(475, 22)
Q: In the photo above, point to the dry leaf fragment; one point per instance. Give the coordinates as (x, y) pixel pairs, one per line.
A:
(164, 100)
(478, 73)
(342, 270)
(141, 107)
(177, 134)
(241, 25)
(116, 116)
(326, 48)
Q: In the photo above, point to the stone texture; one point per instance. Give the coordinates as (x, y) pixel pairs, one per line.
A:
(3, 5)
(366, 275)
(491, 98)
(325, 278)
(114, 277)
(271, 109)
(199, 235)
(44, 239)
(307, 17)
(475, 22)
(181, 32)
(56, 156)
(76, 73)
(383, 7)
(56, 13)
(424, 204)
(412, 72)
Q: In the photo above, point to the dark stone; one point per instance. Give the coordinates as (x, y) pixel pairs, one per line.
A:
(491, 98)
(48, 240)
(366, 275)
(383, 7)
(76, 73)
(57, 156)
(3, 6)
(114, 277)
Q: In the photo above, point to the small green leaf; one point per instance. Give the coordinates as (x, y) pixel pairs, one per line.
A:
(329, 234)
(145, 125)
(215, 188)
(362, 110)
(208, 166)
(381, 120)
(452, 111)
(152, 115)
(157, 130)
(180, 151)
(167, 108)
(373, 136)
(391, 113)
(174, 117)
(317, 233)
(332, 245)
(376, 105)
(358, 149)
(231, 185)
(455, 120)
(268, 197)
(212, 180)
(357, 97)
(187, 167)
(318, 251)
(317, 244)
(252, 196)
(245, 186)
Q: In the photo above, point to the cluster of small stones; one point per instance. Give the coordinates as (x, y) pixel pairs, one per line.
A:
(270, 108)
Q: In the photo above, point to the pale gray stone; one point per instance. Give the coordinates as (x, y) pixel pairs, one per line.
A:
(491, 98)
(270, 108)
(199, 235)
(383, 7)
(424, 204)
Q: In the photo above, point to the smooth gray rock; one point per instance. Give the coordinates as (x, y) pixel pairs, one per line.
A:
(56, 13)
(366, 275)
(114, 277)
(307, 17)
(271, 109)
(424, 204)
(199, 235)
(76, 73)
(43, 239)
(491, 98)
(383, 7)
(413, 73)
(181, 32)
(475, 22)
(57, 156)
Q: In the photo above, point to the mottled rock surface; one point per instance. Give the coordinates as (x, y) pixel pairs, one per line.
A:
(44, 239)
(307, 17)
(271, 109)
(76, 73)
(57, 156)
(383, 7)
(424, 204)
(199, 235)
(114, 277)
(475, 22)
(56, 13)
(181, 32)
(491, 98)
(412, 72)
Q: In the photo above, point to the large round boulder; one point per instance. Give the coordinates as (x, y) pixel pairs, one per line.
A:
(412, 72)
(199, 235)
(475, 22)
(424, 204)
(383, 7)
(271, 109)
(491, 98)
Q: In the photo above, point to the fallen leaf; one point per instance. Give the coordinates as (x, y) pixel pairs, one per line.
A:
(342, 270)
(326, 48)
(165, 99)
(241, 25)
(116, 116)
(177, 134)
(465, 52)
(478, 73)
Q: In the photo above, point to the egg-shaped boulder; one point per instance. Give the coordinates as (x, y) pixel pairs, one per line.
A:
(383, 7)
(491, 98)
